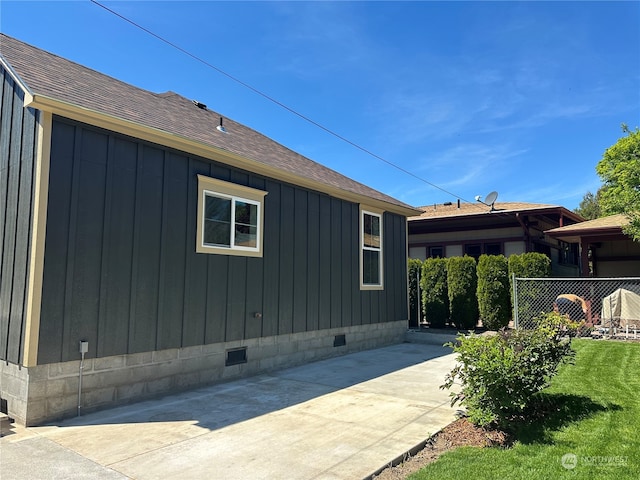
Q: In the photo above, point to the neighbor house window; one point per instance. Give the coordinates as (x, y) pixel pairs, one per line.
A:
(568, 253)
(230, 218)
(473, 250)
(370, 250)
(493, 248)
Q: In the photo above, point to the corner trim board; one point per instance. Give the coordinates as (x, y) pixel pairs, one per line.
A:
(38, 234)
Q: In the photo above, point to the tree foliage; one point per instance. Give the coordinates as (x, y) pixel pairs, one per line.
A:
(589, 207)
(619, 170)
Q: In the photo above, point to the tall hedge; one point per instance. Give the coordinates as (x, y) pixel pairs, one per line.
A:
(494, 302)
(528, 265)
(435, 295)
(462, 284)
(415, 267)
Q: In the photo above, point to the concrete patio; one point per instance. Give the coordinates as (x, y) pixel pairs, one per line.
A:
(341, 418)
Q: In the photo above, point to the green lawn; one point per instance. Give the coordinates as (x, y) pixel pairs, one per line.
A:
(597, 422)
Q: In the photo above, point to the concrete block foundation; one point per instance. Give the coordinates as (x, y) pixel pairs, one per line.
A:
(45, 393)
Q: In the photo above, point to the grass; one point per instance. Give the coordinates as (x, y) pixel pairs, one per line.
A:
(596, 418)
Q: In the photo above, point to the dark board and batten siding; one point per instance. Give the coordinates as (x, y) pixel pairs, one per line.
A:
(18, 137)
(121, 269)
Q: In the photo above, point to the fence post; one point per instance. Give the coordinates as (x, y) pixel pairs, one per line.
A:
(515, 300)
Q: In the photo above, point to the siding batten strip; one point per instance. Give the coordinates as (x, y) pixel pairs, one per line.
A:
(162, 261)
(135, 248)
(101, 321)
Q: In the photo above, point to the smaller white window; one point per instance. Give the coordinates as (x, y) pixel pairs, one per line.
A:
(370, 250)
(230, 219)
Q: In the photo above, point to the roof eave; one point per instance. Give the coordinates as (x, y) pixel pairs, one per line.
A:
(540, 211)
(448, 216)
(574, 235)
(185, 144)
(565, 212)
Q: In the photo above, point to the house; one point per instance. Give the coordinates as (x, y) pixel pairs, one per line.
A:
(507, 228)
(148, 245)
(606, 251)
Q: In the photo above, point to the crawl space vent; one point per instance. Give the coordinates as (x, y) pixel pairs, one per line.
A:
(236, 356)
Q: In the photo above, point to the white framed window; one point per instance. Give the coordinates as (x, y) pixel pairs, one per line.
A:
(371, 268)
(230, 218)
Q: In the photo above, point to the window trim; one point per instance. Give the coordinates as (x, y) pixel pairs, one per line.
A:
(376, 213)
(234, 192)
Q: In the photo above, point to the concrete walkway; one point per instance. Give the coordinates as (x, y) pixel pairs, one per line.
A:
(342, 418)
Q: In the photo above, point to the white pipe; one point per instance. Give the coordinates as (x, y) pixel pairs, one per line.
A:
(84, 347)
(80, 385)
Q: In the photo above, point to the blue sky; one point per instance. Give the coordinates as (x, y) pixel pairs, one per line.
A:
(518, 97)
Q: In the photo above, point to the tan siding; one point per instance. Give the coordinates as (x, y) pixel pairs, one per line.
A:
(618, 269)
(619, 249)
(467, 236)
(419, 253)
(514, 248)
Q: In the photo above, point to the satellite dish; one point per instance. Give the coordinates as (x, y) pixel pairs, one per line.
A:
(491, 198)
(489, 201)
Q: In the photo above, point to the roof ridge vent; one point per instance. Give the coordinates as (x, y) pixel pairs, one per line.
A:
(199, 104)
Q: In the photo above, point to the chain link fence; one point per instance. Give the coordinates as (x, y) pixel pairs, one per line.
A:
(609, 307)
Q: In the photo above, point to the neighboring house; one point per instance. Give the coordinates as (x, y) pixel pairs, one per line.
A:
(605, 250)
(181, 254)
(456, 229)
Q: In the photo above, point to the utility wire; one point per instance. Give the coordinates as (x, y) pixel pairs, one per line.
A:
(280, 104)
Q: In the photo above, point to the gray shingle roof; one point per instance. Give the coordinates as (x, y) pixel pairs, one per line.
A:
(49, 75)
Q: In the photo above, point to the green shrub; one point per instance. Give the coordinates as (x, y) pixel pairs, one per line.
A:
(500, 373)
(529, 265)
(494, 301)
(435, 297)
(414, 268)
(554, 323)
(462, 283)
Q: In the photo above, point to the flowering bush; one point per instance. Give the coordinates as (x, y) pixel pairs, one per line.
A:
(500, 373)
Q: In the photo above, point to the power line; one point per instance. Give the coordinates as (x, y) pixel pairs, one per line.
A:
(277, 102)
